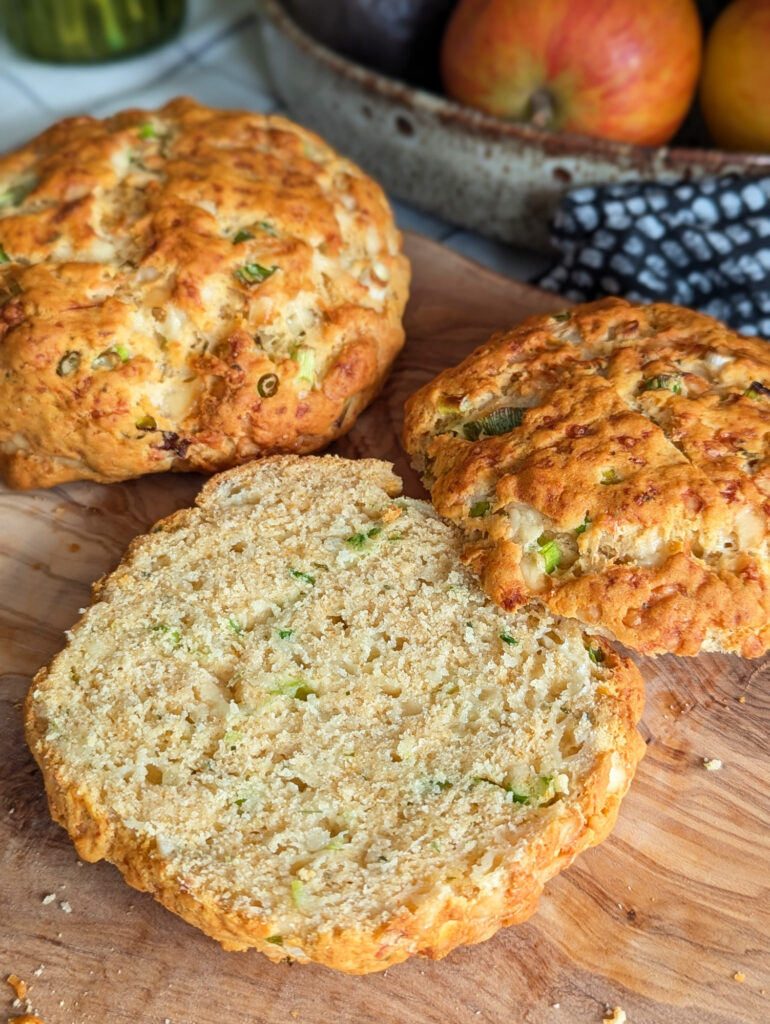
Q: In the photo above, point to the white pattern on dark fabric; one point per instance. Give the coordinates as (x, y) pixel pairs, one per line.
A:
(700, 244)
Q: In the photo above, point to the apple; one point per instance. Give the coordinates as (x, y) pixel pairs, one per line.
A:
(618, 69)
(735, 87)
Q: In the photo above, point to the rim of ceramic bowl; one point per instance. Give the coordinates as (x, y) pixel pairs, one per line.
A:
(477, 123)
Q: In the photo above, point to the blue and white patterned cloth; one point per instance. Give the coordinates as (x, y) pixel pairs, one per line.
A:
(703, 244)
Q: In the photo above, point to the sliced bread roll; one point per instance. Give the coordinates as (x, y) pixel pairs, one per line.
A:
(294, 717)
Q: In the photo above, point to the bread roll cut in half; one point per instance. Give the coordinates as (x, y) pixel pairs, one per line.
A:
(613, 462)
(292, 715)
(185, 289)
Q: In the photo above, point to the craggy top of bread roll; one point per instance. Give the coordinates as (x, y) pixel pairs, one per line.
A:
(186, 289)
(612, 462)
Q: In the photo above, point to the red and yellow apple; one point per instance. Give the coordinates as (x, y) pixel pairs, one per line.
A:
(619, 69)
(735, 87)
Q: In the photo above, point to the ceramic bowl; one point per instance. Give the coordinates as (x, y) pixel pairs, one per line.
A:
(497, 177)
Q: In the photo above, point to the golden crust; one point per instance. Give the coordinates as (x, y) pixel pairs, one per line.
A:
(642, 454)
(434, 929)
(135, 330)
(455, 914)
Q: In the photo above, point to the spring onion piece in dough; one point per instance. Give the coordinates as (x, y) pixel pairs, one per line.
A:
(596, 654)
(299, 896)
(253, 273)
(242, 236)
(583, 526)
(550, 551)
(4, 257)
(517, 798)
(305, 359)
(757, 390)
(501, 421)
(15, 194)
(358, 540)
(665, 382)
(609, 476)
(299, 575)
(111, 358)
(68, 363)
(296, 688)
(479, 508)
(267, 385)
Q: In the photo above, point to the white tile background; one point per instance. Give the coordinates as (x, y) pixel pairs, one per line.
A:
(216, 59)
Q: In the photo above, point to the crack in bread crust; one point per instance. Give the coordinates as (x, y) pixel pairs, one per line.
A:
(640, 456)
(186, 289)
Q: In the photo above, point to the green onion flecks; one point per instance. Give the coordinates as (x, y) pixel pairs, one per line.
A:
(253, 273)
(304, 576)
(757, 390)
(501, 421)
(665, 382)
(68, 364)
(304, 356)
(267, 385)
(596, 654)
(550, 551)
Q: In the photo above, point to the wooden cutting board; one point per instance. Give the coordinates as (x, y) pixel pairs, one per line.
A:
(669, 919)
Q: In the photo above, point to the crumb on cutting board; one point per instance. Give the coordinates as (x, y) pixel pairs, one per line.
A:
(739, 976)
(618, 1016)
(712, 764)
(27, 1018)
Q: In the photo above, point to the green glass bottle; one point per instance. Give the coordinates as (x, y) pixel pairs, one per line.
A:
(90, 30)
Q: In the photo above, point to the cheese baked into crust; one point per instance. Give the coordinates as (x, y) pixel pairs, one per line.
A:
(294, 717)
(612, 462)
(186, 289)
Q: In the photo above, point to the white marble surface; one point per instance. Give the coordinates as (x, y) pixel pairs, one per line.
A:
(215, 59)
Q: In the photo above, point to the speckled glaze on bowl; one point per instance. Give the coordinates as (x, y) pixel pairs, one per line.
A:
(497, 177)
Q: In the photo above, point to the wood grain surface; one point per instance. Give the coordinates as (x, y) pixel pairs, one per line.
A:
(663, 919)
